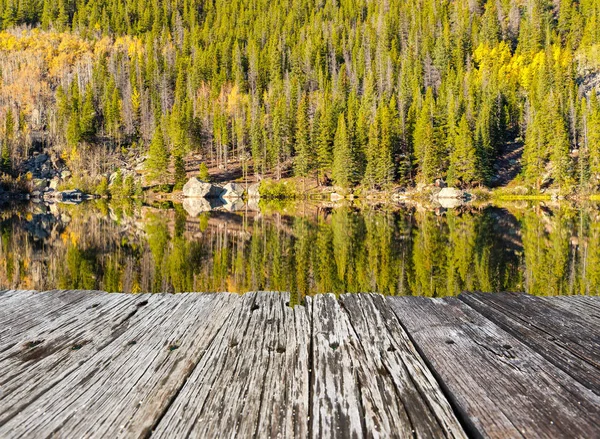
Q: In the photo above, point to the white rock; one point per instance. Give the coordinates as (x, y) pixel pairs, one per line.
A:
(451, 192)
(232, 191)
(196, 188)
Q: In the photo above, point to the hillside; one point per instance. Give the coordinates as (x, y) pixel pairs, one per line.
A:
(377, 93)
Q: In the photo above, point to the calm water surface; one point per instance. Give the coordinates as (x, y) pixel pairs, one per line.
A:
(305, 249)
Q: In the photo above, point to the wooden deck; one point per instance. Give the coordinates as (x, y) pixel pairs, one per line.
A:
(78, 364)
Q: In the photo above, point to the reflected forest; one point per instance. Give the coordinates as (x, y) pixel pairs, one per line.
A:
(538, 248)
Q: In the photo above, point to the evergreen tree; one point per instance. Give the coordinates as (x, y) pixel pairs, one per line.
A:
(343, 171)
(158, 158)
(87, 121)
(387, 141)
(180, 174)
(463, 160)
(304, 160)
(203, 173)
(372, 155)
(9, 126)
(592, 135)
(326, 133)
(559, 142)
(425, 145)
(5, 162)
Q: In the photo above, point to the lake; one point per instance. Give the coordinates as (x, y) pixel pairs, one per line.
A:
(539, 248)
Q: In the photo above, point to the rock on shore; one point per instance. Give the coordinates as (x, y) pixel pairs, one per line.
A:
(196, 188)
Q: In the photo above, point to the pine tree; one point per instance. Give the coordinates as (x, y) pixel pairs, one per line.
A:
(592, 134)
(304, 160)
(203, 173)
(372, 155)
(5, 161)
(424, 142)
(343, 171)
(534, 151)
(560, 144)
(325, 139)
(387, 141)
(463, 158)
(158, 158)
(9, 126)
(180, 174)
(87, 121)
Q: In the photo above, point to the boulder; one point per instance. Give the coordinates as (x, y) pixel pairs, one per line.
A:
(254, 190)
(65, 174)
(451, 192)
(232, 191)
(54, 183)
(196, 188)
(42, 158)
(195, 206)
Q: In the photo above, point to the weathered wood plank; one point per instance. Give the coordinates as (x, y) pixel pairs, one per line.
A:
(253, 379)
(47, 354)
(28, 309)
(585, 307)
(396, 387)
(500, 387)
(336, 401)
(562, 337)
(125, 387)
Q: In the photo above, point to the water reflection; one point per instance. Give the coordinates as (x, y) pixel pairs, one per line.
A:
(304, 249)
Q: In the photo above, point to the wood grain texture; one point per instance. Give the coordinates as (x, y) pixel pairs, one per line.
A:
(399, 395)
(43, 356)
(559, 334)
(253, 379)
(585, 307)
(501, 387)
(124, 388)
(90, 364)
(28, 309)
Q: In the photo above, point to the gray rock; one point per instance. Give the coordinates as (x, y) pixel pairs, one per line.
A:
(195, 206)
(65, 174)
(451, 192)
(54, 183)
(42, 158)
(196, 188)
(232, 191)
(254, 190)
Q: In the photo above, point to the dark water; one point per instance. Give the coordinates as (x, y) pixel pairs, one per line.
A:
(305, 249)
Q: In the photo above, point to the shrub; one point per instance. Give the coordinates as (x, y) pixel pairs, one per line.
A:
(270, 189)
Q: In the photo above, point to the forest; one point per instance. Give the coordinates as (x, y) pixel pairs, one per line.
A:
(348, 92)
